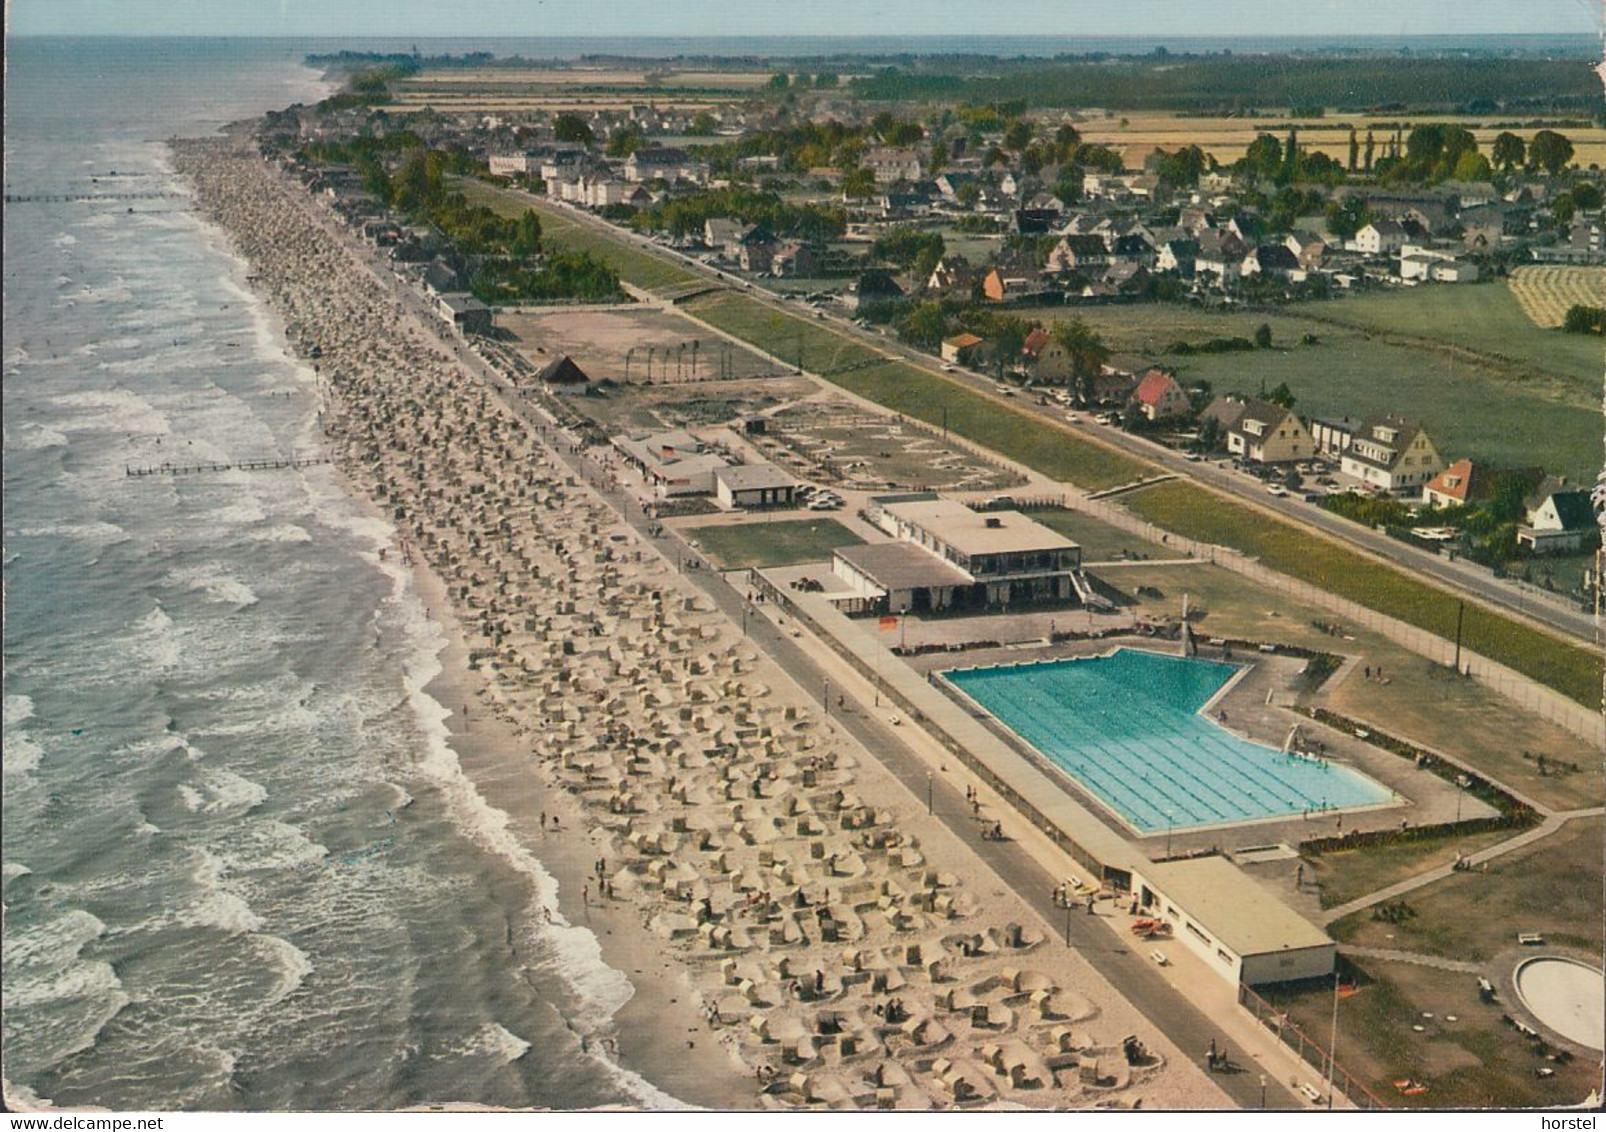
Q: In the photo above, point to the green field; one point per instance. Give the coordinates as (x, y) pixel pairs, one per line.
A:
(738, 546)
(1463, 360)
(1190, 510)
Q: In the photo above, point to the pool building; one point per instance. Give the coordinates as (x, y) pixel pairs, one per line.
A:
(1136, 732)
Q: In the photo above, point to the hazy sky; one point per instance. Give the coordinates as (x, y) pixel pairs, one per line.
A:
(811, 17)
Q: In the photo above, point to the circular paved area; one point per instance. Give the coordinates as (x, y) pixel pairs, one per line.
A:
(1566, 996)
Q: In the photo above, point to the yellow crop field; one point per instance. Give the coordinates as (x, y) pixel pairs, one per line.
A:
(1545, 291)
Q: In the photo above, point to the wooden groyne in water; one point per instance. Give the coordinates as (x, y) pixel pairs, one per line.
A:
(88, 198)
(239, 466)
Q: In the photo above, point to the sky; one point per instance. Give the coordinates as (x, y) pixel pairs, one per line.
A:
(424, 18)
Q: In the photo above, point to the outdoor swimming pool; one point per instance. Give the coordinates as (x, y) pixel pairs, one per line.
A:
(1127, 727)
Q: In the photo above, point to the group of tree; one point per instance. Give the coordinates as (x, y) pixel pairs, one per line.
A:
(687, 215)
(1581, 319)
(912, 249)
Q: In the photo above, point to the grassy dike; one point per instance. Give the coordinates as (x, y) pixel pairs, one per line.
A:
(1184, 508)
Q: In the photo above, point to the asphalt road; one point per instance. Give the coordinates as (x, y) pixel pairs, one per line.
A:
(1462, 576)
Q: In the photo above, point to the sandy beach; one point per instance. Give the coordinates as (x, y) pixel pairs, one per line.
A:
(798, 932)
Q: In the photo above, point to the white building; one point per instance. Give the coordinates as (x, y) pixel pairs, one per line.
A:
(1242, 932)
(753, 485)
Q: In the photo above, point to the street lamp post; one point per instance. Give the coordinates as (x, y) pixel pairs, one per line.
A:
(929, 805)
(1262, 1090)
(1067, 921)
(1332, 1044)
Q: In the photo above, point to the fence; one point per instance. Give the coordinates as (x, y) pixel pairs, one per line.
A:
(1310, 1051)
(1546, 703)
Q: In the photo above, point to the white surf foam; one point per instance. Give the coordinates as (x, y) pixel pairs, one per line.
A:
(215, 583)
(17, 707)
(496, 1041)
(290, 962)
(31, 437)
(228, 793)
(21, 755)
(113, 410)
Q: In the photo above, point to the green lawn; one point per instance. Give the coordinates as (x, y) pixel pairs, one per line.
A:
(1190, 510)
(1099, 540)
(1457, 359)
(1352, 873)
(772, 543)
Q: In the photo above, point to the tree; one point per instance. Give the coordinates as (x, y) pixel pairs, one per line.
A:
(1472, 166)
(1549, 151)
(623, 142)
(1282, 395)
(703, 125)
(1018, 136)
(1263, 157)
(573, 129)
(1587, 196)
(1563, 209)
(939, 157)
(858, 183)
(779, 81)
(1085, 351)
(1371, 145)
(1289, 172)
(1263, 336)
(527, 236)
(1508, 151)
(1347, 218)
(1354, 149)
(826, 79)
(1584, 320)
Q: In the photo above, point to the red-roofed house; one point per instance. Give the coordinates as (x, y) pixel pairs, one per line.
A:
(1159, 397)
(1459, 484)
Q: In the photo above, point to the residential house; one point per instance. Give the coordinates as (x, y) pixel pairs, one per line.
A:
(795, 259)
(1082, 254)
(1309, 249)
(1044, 360)
(756, 250)
(1380, 237)
(1220, 256)
(666, 163)
(1159, 397)
(1391, 454)
(1423, 264)
(950, 183)
(514, 164)
(1013, 277)
(1560, 519)
(963, 349)
(891, 165)
(1177, 256)
(1196, 219)
(723, 235)
(1461, 483)
(951, 276)
(873, 287)
(1273, 260)
(1262, 432)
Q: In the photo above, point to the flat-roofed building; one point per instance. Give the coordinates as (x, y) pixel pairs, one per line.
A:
(909, 578)
(753, 485)
(1008, 558)
(1243, 932)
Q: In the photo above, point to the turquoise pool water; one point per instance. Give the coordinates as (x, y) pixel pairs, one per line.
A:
(1127, 727)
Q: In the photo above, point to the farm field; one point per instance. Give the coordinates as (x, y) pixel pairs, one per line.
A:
(1225, 139)
(1545, 291)
(1200, 514)
(737, 546)
(1465, 361)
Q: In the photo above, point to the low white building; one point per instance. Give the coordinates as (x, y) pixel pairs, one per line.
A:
(753, 485)
(1242, 932)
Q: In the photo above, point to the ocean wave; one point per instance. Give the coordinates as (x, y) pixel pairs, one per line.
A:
(17, 707)
(65, 240)
(235, 514)
(31, 437)
(215, 583)
(292, 965)
(283, 532)
(97, 532)
(154, 642)
(21, 755)
(496, 1041)
(115, 410)
(51, 943)
(228, 793)
(217, 907)
(11, 870)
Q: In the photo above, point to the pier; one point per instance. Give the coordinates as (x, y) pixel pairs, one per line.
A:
(238, 466)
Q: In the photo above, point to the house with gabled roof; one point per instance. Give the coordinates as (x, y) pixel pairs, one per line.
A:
(1381, 237)
(1391, 454)
(1461, 483)
(1159, 396)
(1261, 431)
(1560, 518)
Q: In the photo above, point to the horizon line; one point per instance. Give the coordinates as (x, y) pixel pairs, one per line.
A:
(1593, 33)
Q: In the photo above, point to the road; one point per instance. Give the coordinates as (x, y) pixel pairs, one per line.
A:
(1535, 607)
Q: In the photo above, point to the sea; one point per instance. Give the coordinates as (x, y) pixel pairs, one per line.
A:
(243, 869)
